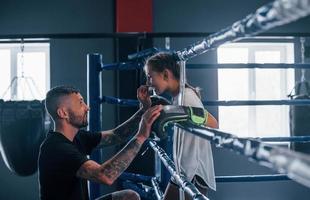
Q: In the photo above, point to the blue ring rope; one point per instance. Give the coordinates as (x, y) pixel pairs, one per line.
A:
(219, 179)
(257, 102)
(133, 102)
(131, 65)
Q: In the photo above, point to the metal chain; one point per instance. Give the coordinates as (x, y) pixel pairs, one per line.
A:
(302, 49)
(167, 43)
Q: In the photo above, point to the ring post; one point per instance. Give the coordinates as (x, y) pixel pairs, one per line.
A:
(94, 63)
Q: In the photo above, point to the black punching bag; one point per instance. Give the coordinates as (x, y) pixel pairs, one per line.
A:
(300, 116)
(22, 130)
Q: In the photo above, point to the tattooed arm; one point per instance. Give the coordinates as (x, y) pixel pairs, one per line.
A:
(122, 133)
(110, 170)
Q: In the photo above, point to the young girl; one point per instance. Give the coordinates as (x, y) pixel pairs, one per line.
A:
(191, 154)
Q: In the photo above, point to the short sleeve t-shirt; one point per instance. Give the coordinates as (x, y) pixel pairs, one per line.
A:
(59, 160)
(192, 154)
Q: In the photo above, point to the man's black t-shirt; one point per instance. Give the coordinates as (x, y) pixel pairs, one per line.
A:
(59, 160)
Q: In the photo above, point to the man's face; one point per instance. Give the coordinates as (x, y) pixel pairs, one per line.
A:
(77, 111)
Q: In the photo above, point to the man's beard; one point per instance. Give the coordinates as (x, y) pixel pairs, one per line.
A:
(78, 121)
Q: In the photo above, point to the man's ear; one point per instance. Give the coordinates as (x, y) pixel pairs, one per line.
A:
(165, 74)
(62, 113)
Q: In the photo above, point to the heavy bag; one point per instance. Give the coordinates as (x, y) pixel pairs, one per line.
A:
(300, 116)
(22, 130)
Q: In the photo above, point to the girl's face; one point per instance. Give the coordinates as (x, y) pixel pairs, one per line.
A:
(156, 80)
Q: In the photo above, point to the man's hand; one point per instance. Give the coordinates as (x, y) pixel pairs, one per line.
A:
(110, 170)
(144, 97)
(146, 122)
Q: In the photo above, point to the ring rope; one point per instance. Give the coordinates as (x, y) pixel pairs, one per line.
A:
(179, 178)
(295, 165)
(269, 16)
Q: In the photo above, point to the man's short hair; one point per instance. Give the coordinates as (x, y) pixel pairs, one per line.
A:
(53, 98)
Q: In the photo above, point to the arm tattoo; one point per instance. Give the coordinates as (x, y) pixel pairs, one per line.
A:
(109, 139)
(114, 167)
(121, 133)
(129, 127)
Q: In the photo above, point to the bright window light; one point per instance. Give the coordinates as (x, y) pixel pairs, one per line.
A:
(32, 67)
(255, 84)
(27, 71)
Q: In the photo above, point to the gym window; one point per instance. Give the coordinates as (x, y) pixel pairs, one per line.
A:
(255, 84)
(24, 71)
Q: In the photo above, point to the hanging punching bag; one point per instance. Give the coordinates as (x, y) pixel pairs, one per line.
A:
(22, 130)
(300, 116)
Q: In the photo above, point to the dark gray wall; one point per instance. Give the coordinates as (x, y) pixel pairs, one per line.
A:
(34, 16)
(212, 16)
(67, 57)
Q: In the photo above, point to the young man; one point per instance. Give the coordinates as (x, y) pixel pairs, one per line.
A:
(64, 167)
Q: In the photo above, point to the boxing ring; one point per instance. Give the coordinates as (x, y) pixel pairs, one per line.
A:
(289, 164)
